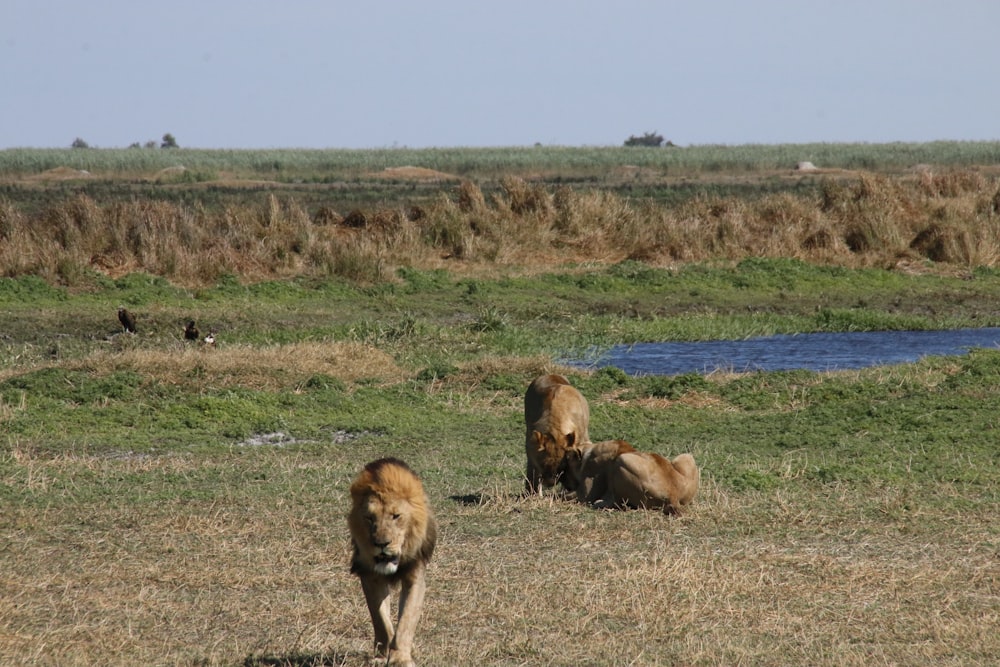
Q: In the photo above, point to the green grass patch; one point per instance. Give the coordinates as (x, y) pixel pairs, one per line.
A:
(568, 162)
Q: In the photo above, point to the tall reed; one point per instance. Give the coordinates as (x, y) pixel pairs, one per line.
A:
(951, 219)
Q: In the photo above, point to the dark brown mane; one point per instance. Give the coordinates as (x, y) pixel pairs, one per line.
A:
(376, 467)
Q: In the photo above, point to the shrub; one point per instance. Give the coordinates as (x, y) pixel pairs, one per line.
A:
(647, 139)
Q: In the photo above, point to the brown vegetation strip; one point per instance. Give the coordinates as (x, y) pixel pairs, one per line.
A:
(952, 219)
(264, 368)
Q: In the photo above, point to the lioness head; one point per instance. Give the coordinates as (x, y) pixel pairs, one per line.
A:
(390, 521)
(548, 454)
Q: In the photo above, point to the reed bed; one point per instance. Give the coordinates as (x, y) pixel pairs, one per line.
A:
(947, 219)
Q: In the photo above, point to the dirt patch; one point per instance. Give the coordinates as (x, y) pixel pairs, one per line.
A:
(415, 174)
(60, 174)
(280, 439)
(170, 172)
(631, 172)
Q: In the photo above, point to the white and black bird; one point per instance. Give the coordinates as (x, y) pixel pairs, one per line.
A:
(209, 339)
(127, 319)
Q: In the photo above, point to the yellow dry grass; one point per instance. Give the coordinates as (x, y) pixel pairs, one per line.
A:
(775, 581)
(860, 220)
(410, 173)
(58, 174)
(264, 368)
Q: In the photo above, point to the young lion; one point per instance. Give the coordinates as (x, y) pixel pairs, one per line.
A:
(556, 416)
(613, 474)
(393, 533)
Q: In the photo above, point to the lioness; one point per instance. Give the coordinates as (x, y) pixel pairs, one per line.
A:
(613, 474)
(556, 416)
(393, 533)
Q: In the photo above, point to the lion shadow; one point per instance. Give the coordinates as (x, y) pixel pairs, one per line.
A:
(468, 499)
(511, 501)
(298, 659)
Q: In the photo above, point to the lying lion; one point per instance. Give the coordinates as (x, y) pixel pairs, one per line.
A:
(393, 533)
(556, 416)
(613, 474)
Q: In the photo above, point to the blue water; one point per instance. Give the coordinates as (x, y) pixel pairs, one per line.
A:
(811, 351)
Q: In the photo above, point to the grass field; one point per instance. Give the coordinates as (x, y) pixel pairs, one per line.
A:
(553, 161)
(168, 503)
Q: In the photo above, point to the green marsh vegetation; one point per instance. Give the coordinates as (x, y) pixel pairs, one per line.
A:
(173, 503)
(559, 161)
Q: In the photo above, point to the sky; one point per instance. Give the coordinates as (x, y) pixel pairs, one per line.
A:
(435, 73)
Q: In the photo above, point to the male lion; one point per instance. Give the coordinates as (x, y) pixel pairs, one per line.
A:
(613, 474)
(556, 416)
(393, 532)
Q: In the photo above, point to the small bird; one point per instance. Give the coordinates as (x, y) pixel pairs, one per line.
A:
(209, 339)
(127, 319)
(191, 331)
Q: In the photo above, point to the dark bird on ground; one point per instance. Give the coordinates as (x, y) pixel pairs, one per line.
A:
(127, 319)
(191, 331)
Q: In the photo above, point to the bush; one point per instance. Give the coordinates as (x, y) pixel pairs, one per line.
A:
(647, 139)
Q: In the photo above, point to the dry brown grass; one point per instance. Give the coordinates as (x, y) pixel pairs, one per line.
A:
(411, 173)
(540, 581)
(951, 218)
(265, 368)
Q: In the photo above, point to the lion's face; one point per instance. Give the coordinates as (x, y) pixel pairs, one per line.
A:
(548, 454)
(390, 521)
(385, 523)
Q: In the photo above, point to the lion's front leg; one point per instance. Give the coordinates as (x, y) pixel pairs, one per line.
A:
(376, 590)
(411, 604)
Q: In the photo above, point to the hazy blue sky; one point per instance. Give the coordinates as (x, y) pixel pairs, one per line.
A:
(326, 74)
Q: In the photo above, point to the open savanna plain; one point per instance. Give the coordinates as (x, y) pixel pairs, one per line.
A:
(168, 502)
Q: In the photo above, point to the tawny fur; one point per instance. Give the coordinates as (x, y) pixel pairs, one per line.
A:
(613, 474)
(556, 416)
(393, 532)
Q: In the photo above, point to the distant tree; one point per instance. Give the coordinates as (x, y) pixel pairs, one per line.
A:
(149, 144)
(80, 143)
(647, 139)
(135, 144)
(168, 141)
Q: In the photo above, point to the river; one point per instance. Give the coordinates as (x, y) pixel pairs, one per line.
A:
(811, 351)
